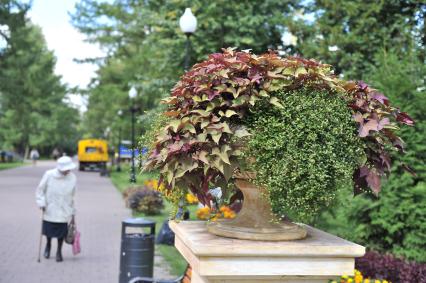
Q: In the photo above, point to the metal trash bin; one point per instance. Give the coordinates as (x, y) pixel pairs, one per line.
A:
(137, 249)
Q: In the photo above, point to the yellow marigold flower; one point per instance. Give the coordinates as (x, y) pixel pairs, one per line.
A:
(376, 281)
(191, 199)
(367, 280)
(153, 184)
(358, 277)
(385, 281)
(216, 217)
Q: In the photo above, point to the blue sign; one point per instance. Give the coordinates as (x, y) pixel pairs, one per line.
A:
(127, 152)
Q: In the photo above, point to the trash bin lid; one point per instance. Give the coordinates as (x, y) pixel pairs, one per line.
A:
(138, 222)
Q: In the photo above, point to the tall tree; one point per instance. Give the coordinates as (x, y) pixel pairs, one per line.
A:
(348, 34)
(146, 47)
(33, 107)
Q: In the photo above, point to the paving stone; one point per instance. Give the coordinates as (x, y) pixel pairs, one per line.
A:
(100, 210)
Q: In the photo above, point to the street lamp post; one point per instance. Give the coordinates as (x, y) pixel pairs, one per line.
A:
(132, 94)
(119, 113)
(188, 25)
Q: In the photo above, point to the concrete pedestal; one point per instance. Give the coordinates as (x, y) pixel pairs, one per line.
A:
(318, 258)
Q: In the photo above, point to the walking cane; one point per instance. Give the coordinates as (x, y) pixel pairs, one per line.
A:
(41, 236)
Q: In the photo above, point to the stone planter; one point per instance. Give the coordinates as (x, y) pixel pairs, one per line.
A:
(318, 258)
(255, 221)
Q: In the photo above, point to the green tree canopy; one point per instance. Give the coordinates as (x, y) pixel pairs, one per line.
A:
(33, 109)
(146, 47)
(348, 34)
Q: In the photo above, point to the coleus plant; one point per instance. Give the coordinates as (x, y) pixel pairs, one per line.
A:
(200, 145)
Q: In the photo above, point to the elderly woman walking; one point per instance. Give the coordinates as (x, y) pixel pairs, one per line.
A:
(55, 196)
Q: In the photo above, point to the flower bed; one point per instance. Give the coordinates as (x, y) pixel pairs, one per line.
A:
(205, 213)
(386, 268)
(144, 199)
(394, 269)
(358, 278)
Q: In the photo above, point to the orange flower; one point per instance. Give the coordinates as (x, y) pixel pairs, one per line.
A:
(224, 212)
(203, 213)
(227, 212)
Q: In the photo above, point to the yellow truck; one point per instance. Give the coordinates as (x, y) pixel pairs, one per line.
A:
(92, 153)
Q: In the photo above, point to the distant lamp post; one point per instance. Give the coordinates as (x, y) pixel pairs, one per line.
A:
(333, 48)
(119, 113)
(188, 25)
(132, 94)
(107, 132)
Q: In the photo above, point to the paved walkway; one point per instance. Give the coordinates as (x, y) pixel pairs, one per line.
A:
(100, 210)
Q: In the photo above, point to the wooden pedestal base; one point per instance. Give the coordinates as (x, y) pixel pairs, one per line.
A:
(317, 258)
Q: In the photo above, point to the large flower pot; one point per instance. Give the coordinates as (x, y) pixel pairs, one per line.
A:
(255, 221)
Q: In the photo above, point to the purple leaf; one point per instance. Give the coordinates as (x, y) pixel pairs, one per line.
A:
(217, 56)
(386, 160)
(405, 119)
(365, 178)
(398, 143)
(382, 123)
(360, 182)
(364, 171)
(186, 147)
(381, 98)
(362, 85)
(358, 118)
(213, 94)
(409, 169)
(367, 127)
(373, 180)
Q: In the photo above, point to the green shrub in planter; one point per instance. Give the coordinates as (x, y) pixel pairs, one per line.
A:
(303, 151)
(225, 112)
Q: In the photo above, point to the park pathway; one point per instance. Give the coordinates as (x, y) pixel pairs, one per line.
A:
(100, 210)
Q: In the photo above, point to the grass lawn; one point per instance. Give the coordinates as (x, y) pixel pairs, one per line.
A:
(4, 166)
(171, 255)
(121, 180)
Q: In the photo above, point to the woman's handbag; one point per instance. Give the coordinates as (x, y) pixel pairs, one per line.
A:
(69, 239)
(76, 248)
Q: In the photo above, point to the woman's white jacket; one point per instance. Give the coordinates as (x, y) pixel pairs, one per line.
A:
(56, 194)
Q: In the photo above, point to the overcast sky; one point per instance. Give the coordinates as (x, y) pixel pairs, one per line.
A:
(66, 42)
